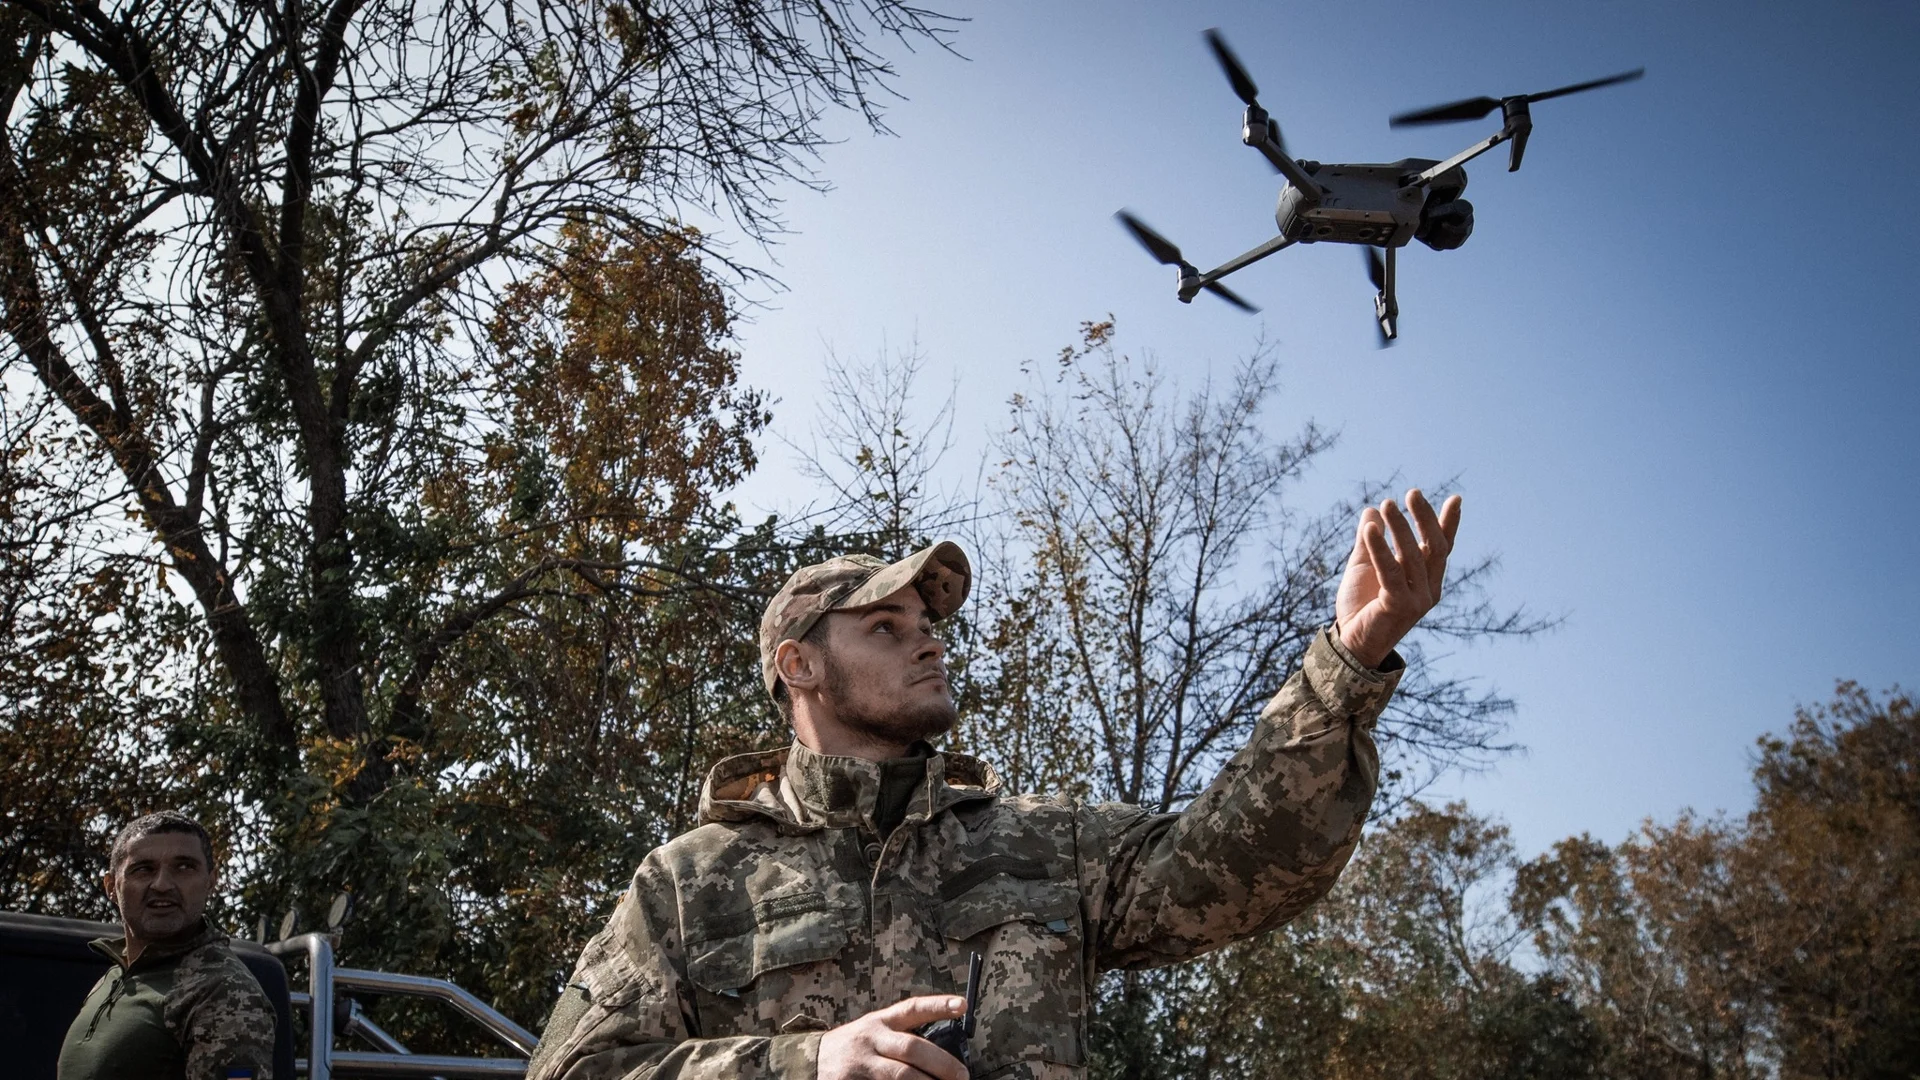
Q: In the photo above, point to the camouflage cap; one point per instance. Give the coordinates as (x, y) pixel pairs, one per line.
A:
(941, 573)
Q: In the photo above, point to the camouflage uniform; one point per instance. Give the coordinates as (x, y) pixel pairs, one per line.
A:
(786, 912)
(190, 1009)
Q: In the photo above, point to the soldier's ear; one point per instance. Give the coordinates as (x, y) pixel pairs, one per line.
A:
(106, 882)
(798, 665)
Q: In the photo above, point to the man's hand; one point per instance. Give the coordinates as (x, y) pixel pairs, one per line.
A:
(1387, 590)
(881, 1045)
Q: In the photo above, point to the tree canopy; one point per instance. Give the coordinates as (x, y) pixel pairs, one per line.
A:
(1781, 944)
(369, 414)
(368, 407)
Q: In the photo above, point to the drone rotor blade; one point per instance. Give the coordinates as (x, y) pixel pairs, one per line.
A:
(1159, 246)
(1236, 74)
(1469, 109)
(1475, 108)
(1229, 296)
(1243, 87)
(1625, 76)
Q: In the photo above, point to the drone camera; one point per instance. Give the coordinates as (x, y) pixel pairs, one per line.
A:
(1445, 225)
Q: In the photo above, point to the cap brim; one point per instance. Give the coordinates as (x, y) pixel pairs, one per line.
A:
(940, 573)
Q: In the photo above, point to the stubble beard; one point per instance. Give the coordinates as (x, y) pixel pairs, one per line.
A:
(158, 926)
(911, 725)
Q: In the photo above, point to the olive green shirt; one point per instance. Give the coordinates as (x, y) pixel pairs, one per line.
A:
(187, 1010)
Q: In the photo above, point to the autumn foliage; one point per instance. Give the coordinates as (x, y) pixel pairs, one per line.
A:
(367, 410)
(369, 419)
(1781, 944)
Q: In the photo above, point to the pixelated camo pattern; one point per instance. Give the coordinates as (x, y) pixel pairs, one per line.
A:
(218, 1012)
(783, 915)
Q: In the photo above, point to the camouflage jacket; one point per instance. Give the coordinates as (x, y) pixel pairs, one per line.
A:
(188, 1010)
(784, 913)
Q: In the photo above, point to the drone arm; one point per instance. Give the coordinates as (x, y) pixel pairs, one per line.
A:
(1256, 131)
(1242, 261)
(1424, 178)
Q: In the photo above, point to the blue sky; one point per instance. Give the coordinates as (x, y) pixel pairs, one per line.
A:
(1674, 369)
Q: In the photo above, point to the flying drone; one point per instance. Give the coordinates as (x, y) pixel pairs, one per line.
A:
(1379, 207)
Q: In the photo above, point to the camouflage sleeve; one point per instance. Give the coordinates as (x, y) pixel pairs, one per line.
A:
(626, 1012)
(1267, 838)
(220, 1017)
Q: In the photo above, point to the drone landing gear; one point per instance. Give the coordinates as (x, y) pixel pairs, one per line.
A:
(1386, 308)
(1385, 312)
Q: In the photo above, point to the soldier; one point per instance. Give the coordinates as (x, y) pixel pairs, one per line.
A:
(177, 1005)
(828, 904)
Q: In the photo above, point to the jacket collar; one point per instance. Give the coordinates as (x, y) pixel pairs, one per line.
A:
(115, 948)
(805, 790)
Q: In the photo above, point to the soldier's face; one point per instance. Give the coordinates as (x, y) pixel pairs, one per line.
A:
(886, 672)
(161, 886)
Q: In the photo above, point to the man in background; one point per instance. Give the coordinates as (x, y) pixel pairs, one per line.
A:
(177, 1004)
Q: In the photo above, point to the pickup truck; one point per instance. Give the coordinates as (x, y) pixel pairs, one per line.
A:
(46, 970)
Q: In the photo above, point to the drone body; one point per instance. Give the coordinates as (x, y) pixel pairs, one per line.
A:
(1374, 205)
(1381, 208)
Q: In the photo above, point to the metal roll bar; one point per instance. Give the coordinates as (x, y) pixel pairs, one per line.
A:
(359, 1023)
(355, 1063)
(324, 980)
(386, 982)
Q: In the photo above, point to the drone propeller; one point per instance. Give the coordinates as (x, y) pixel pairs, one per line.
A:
(1377, 273)
(1475, 108)
(1236, 72)
(1242, 83)
(1160, 247)
(1164, 250)
(1230, 297)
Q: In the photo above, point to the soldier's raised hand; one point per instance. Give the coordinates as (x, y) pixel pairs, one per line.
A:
(881, 1045)
(1387, 589)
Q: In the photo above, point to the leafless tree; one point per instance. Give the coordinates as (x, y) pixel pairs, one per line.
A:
(878, 458)
(1178, 585)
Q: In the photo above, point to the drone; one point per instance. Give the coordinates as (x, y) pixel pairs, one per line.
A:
(1378, 207)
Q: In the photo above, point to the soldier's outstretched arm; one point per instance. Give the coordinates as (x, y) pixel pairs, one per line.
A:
(1273, 831)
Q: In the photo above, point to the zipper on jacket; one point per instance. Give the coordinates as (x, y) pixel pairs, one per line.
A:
(106, 1007)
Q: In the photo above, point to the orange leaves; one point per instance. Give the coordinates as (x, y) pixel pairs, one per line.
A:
(624, 407)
